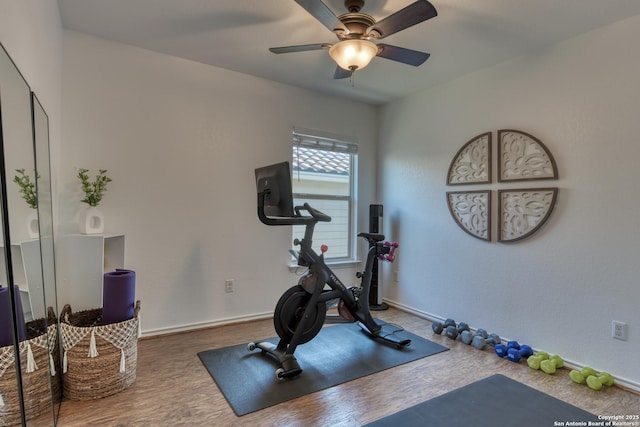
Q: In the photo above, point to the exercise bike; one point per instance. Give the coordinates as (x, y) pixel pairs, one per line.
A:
(302, 310)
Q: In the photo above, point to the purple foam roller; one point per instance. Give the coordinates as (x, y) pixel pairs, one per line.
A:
(6, 332)
(118, 296)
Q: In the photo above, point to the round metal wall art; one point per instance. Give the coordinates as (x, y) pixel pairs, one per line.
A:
(521, 211)
(472, 163)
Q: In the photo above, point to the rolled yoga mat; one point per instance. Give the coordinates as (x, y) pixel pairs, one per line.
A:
(118, 296)
(6, 331)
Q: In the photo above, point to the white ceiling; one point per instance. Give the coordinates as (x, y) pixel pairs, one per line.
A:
(466, 35)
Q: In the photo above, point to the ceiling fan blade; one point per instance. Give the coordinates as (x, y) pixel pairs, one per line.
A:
(322, 13)
(401, 54)
(299, 48)
(341, 73)
(404, 18)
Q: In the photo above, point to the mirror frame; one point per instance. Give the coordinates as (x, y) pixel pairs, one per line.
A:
(46, 226)
(34, 136)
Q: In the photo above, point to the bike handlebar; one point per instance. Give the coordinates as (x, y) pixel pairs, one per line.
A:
(298, 219)
(319, 216)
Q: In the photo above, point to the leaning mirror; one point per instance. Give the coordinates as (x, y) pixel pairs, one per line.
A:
(28, 371)
(40, 123)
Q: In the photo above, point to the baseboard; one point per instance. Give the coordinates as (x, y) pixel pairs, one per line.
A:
(620, 382)
(422, 314)
(204, 325)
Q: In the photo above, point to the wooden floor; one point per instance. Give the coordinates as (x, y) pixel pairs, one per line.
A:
(174, 389)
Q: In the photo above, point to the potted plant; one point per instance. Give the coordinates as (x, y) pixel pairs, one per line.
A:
(27, 188)
(94, 191)
(92, 221)
(29, 193)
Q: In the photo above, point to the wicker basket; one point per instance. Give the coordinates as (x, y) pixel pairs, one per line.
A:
(98, 360)
(41, 384)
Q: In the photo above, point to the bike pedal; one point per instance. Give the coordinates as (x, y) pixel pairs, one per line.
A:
(400, 343)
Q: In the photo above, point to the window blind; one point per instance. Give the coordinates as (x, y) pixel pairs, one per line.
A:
(323, 141)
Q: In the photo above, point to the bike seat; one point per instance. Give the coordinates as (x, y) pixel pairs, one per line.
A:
(374, 237)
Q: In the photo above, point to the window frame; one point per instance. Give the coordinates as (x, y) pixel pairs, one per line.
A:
(318, 140)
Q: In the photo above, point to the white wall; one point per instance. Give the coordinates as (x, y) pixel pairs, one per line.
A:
(31, 32)
(560, 289)
(169, 131)
(181, 141)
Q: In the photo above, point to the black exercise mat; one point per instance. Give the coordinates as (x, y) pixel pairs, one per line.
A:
(493, 401)
(338, 354)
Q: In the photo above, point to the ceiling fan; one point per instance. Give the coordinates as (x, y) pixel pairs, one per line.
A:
(355, 31)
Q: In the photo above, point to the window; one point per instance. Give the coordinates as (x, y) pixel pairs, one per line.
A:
(324, 171)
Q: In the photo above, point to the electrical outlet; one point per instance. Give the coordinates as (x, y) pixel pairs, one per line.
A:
(228, 285)
(619, 330)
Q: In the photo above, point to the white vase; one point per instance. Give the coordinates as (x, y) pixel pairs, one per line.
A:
(91, 221)
(32, 225)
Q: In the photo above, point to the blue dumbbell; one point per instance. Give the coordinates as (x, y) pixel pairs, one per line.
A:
(501, 350)
(513, 354)
(513, 344)
(525, 351)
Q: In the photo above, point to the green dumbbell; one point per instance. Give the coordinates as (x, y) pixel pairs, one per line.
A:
(543, 355)
(579, 377)
(535, 360)
(550, 365)
(596, 382)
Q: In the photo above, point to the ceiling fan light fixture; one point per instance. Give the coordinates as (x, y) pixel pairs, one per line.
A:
(353, 55)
